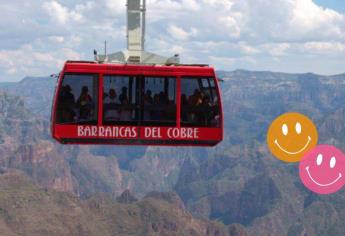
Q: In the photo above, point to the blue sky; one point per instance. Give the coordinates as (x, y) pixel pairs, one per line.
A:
(294, 36)
(338, 5)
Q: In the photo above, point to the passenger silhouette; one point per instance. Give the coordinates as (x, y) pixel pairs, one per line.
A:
(110, 110)
(67, 104)
(125, 110)
(148, 97)
(85, 104)
(156, 113)
(123, 96)
(148, 106)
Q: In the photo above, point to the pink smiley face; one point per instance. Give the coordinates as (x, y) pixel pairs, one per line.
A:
(322, 169)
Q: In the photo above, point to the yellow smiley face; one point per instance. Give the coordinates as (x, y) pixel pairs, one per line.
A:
(290, 136)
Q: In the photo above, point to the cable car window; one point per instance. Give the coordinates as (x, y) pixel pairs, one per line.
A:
(77, 103)
(120, 100)
(159, 101)
(206, 87)
(212, 83)
(199, 102)
(205, 83)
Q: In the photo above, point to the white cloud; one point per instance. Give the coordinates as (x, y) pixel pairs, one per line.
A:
(281, 34)
(230, 25)
(248, 49)
(276, 49)
(190, 5)
(324, 47)
(56, 39)
(11, 71)
(307, 16)
(223, 4)
(60, 14)
(177, 49)
(181, 34)
(27, 61)
(57, 12)
(70, 54)
(222, 61)
(114, 7)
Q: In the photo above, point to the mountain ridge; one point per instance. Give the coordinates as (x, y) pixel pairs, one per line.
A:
(28, 210)
(237, 181)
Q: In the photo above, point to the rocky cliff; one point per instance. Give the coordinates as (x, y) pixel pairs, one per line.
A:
(237, 182)
(26, 209)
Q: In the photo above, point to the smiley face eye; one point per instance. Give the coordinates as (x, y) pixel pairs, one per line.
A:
(332, 162)
(319, 159)
(285, 129)
(298, 128)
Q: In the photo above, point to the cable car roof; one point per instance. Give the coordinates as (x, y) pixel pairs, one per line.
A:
(176, 65)
(95, 67)
(165, 118)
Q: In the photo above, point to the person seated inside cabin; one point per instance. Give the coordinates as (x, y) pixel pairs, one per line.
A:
(156, 113)
(170, 108)
(200, 109)
(196, 98)
(148, 97)
(67, 96)
(148, 102)
(215, 119)
(111, 112)
(85, 104)
(125, 111)
(195, 102)
(163, 102)
(163, 98)
(206, 113)
(67, 104)
(123, 96)
(206, 101)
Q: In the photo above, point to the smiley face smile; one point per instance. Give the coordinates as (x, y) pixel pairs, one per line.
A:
(290, 136)
(293, 153)
(322, 169)
(322, 185)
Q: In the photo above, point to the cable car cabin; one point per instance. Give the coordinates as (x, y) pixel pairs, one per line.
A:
(137, 105)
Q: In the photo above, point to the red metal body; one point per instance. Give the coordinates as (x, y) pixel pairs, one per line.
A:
(136, 135)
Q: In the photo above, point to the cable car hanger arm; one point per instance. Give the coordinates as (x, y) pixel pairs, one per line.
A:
(135, 53)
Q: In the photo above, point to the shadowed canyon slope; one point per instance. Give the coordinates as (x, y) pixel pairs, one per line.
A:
(27, 210)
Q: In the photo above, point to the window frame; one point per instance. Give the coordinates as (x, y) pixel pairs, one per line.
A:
(140, 83)
(61, 83)
(136, 106)
(140, 78)
(175, 78)
(213, 92)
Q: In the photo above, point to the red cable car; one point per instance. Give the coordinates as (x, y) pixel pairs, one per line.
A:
(136, 97)
(137, 105)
